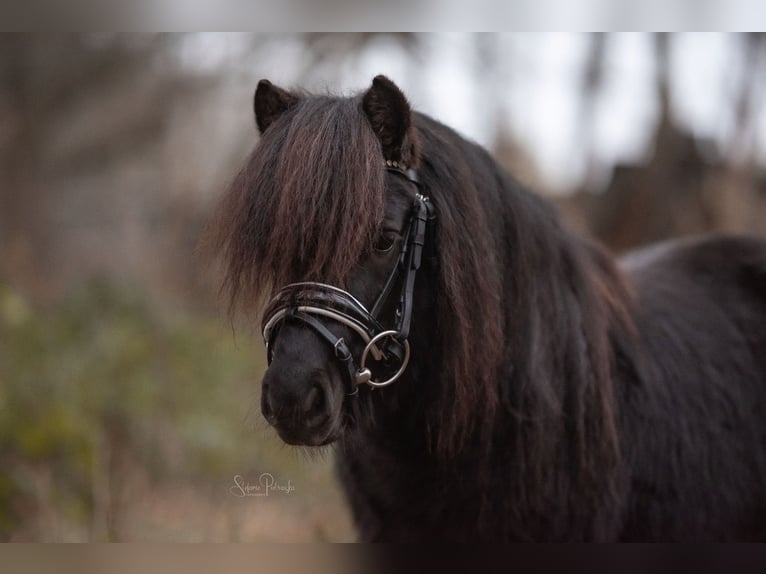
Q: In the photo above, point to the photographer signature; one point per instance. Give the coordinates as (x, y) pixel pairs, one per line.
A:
(266, 485)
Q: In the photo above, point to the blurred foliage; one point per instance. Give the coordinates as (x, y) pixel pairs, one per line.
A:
(100, 385)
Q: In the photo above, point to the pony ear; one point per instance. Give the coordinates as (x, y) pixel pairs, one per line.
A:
(269, 103)
(389, 115)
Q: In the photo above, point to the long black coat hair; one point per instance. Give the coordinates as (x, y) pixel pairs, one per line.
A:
(554, 393)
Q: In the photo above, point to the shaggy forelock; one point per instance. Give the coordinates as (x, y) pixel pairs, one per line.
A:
(306, 205)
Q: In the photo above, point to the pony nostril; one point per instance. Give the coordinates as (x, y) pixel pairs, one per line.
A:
(314, 404)
(266, 408)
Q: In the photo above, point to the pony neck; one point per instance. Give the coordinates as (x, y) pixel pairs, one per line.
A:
(519, 346)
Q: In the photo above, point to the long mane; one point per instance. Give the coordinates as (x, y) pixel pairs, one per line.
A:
(532, 322)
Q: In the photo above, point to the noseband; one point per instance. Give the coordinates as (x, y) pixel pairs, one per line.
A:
(313, 304)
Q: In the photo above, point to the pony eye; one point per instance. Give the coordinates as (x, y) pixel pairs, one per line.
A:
(385, 242)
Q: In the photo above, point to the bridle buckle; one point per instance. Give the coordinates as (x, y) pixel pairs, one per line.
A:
(342, 352)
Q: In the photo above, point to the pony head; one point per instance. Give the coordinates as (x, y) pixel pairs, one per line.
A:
(318, 202)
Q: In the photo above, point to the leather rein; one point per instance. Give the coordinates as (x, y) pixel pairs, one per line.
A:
(315, 304)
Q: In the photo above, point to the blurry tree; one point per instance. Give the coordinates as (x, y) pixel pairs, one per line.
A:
(593, 77)
(42, 80)
(688, 185)
(749, 100)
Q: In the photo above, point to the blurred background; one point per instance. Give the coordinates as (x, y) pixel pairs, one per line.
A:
(128, 400)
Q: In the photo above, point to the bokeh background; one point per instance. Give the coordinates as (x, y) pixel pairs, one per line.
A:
(128, 399)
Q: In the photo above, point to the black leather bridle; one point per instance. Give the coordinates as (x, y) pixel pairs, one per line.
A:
(314, 303)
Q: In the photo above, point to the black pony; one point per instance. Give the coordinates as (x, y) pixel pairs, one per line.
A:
(551, 392)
